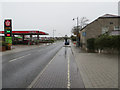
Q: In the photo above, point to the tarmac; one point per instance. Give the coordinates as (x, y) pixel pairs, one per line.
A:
(19, 48)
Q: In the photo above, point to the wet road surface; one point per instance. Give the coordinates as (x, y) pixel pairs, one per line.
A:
(61, 72)
(46, 67)
(19, 69)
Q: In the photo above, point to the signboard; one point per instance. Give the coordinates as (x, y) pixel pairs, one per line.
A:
(8, 31)
(8, 40)
(8, 28)
(83, 33)
(7, 23)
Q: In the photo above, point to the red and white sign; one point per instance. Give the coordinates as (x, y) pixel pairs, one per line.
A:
(7, 23)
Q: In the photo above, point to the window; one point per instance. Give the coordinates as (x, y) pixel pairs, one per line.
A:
(83, 33)
(111, 22)
(104, 29)
(116, 27)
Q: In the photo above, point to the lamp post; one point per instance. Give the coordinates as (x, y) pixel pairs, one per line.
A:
(77, 33)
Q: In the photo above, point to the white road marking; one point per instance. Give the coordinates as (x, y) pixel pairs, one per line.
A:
(19, 58)
(35, 80)
(40, 50)
(68, 74)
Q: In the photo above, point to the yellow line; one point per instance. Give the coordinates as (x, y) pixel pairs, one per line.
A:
(35, 80)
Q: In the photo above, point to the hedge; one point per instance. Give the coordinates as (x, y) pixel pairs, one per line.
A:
(104, 42)
(91, 44)
(2, 43)
(73, 38)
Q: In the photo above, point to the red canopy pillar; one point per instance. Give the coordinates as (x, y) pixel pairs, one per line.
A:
(38, 37)
(23, 37)
(30, 37)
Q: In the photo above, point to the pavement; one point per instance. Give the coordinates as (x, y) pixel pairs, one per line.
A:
(97, 70)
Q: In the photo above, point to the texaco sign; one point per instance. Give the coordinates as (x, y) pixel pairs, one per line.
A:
(7, 23)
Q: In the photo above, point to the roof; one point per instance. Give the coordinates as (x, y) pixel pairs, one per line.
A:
(27, 33)
(104, 16)
(109, 15)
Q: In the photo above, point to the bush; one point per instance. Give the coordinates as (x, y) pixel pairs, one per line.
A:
(116, 41)
(106, 41)
(73, 38)
(91, 45)
(3, 43)
(103, 42)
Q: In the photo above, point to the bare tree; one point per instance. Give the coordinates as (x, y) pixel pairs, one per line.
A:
(82, 23)
(74, 29)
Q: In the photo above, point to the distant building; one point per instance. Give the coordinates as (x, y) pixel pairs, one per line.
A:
(105, 24)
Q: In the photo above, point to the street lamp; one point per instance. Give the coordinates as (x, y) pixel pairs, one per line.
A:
(77, 38)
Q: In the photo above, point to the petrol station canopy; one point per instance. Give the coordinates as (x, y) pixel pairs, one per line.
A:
(27, 33)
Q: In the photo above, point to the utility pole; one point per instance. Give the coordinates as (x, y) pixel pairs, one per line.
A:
(77, 33)
(78, 42)
(53, 33)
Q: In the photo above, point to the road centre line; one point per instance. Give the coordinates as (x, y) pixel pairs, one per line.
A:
(19, 58)
(68, 73)
(35, 80)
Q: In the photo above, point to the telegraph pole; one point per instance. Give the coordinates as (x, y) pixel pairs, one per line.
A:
(53, 33)
(77, 33)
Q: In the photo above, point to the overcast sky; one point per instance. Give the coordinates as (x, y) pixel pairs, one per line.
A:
(46, 16)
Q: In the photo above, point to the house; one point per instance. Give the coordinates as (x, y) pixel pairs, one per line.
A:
(105, 24)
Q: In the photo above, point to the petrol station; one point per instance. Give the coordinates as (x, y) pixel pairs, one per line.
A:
(9, 34)
(27, 32)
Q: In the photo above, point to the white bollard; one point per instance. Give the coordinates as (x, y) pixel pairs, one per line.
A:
(98, 50)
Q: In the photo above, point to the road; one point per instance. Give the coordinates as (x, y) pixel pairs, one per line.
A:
(44, 67)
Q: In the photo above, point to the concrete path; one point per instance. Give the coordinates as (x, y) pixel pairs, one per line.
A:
(97, 70)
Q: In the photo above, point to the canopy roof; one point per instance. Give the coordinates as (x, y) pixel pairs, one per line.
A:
(27, 33)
